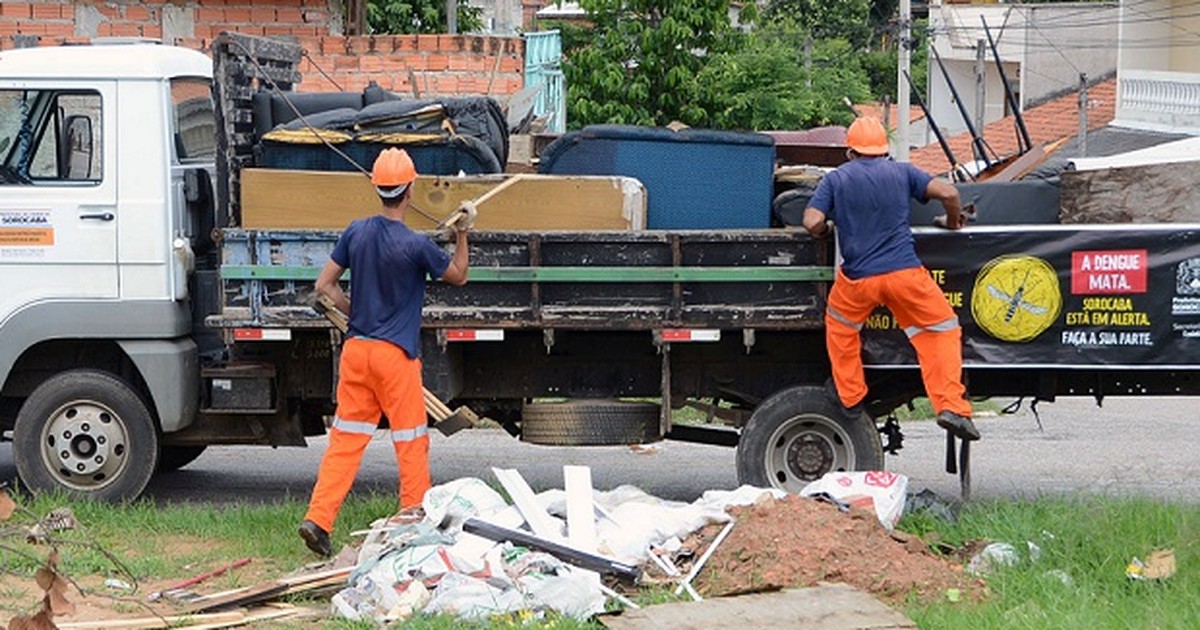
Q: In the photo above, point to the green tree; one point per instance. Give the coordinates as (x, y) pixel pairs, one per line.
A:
(390, 17)
(640, 64)
(825, 19)
(765, 84)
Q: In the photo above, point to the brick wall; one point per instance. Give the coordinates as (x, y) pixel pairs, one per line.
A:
(432, 64)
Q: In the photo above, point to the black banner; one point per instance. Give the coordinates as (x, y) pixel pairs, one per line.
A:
(1062, 296)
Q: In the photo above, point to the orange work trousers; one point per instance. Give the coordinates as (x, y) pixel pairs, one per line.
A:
(921, 310)
(375, 377)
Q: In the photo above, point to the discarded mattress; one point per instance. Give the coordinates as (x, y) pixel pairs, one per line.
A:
(433, 155)
(451, 135)
(694, 178)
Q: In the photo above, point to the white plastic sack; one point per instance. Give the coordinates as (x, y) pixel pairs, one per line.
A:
(448, 505)
(472, 598)
(744, 495)
(881, 489)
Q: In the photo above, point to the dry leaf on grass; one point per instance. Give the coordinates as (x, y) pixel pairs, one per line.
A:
(40, 621)
(7, 506)
(55, 586)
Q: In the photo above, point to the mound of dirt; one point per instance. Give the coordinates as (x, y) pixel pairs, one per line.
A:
(799, 542)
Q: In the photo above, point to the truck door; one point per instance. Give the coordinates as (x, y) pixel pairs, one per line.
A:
(58, 194)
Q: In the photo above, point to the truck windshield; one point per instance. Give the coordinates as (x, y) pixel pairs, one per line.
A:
(49, 137)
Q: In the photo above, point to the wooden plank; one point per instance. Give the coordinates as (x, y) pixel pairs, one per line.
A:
(542, 524)
(581, 510)
(828, 606)
(153, 622)
(288, 199)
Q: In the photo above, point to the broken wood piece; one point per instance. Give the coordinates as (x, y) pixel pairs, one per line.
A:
(566, 553)
(264, 614)
(687, 581)
(522, 495)
(199, 578)
(153, 622)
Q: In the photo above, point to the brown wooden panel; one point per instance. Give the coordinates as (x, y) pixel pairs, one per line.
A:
(286, 199)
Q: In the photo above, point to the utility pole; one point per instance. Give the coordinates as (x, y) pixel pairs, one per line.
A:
(452, 16)
(902, 95)
(980, 84)
(808, 54)
(1083, 114)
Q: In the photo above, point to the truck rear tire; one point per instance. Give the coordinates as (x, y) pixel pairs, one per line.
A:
(590, 423)
(799, 434)
(86, 433)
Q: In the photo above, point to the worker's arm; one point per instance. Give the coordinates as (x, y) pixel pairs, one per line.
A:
(456, 273)
(947, 194)
(814, 222)
(327, 285)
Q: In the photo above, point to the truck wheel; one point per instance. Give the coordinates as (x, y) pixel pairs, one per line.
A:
(87, 433)
(799, 434)
(172, 458)
(590, 423)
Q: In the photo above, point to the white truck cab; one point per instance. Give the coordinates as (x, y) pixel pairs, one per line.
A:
(106, 155)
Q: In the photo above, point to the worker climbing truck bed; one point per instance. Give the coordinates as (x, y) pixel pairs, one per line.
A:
(139, 324)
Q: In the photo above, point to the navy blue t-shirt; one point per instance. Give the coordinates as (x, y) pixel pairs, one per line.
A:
(389, 264)
(867, 199)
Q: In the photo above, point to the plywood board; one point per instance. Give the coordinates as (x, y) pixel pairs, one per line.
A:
(320, 200)
(828, 606)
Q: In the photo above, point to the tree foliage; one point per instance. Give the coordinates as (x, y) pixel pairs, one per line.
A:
(765, 84)
(824, 19)
(641, 63)
(391, 17)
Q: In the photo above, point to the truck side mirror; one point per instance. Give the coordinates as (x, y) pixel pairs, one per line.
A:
(79, 147)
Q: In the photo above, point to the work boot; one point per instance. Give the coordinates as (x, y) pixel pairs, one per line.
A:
(316, 538)
(850, 412)
(959, 426)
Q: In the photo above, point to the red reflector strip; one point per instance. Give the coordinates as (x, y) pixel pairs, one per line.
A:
(465, 334)
(690, 334)
(262, 334)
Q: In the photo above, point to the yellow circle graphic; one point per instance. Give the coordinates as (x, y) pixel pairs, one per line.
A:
(1016, 297)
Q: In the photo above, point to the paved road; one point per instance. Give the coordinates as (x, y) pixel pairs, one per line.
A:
(1129, 447)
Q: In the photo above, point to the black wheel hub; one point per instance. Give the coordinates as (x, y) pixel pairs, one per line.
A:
(809, 456)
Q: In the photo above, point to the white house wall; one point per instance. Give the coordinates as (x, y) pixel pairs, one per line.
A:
(1143, 36)
(1185, 56)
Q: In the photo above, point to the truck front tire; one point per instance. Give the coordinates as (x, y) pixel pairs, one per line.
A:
(799, 434)
(87, 433)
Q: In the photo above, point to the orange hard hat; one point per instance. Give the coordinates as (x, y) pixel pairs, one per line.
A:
(393, 168)
(867, 137)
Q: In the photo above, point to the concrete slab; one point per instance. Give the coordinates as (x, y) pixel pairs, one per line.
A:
(824, 607)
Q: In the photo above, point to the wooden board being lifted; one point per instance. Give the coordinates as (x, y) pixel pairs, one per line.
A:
(320, 200)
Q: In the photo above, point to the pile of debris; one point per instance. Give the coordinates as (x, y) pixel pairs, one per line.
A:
(573, 552)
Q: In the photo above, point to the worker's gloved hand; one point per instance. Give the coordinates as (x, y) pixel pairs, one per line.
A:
(467, 214)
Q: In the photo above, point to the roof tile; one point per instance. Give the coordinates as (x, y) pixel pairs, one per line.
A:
(1049, 122)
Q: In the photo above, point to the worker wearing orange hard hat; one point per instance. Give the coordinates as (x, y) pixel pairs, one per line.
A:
(380, 368)
(868, 200)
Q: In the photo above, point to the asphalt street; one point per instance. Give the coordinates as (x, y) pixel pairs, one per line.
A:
(1142, 447)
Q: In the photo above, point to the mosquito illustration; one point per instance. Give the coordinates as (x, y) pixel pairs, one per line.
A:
(1016, 300)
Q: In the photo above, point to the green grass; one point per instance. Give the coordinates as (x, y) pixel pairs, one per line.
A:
(1089, 539)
